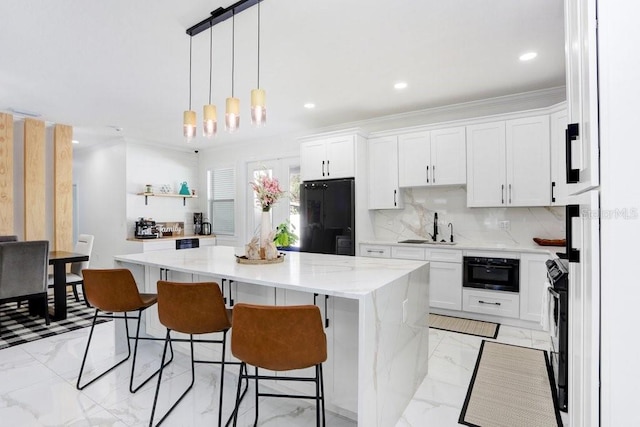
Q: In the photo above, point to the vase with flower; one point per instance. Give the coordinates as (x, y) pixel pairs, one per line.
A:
(267, 191)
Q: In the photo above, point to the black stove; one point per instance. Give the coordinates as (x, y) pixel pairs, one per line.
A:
(558, 275)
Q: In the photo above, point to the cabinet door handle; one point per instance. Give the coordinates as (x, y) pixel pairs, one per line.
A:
(433, 172)
(394, 198)
(326, 317)
(427, 174)
(502, 192)
(509, 193)
(490, 303)
(571, 134)
(553, 186)
(572, 211)
(323, 168)
(328, 173)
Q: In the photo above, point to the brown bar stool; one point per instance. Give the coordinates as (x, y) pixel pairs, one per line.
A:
(113, 291)
(280, 339)
(192, 308)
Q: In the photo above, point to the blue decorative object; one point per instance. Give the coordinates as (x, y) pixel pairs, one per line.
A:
(184, 190)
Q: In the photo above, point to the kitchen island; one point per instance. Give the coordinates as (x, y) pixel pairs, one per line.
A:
(375, 312)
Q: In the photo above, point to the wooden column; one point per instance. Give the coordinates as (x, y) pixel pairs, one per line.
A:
(34, 180)
(63, 188)
(6, 174)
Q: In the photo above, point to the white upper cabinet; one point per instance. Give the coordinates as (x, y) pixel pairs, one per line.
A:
(384, 192)
(327, 158)
(559, 188)
(528, 162)
(432, 158)
(486, 172)
(508, 163)
(582, 94)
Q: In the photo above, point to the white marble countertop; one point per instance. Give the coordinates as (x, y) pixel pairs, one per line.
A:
(186, 236)
(488, 246)
(334, 275)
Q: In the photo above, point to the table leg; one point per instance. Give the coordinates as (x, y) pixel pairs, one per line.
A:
(59, 291)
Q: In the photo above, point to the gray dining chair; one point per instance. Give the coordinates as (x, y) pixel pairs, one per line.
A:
(84, 246)
(23, 272)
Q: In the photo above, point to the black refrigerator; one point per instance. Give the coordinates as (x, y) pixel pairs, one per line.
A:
(327, 217)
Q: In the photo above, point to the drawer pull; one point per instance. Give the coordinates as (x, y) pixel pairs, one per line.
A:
(490, 303)
(371, 251)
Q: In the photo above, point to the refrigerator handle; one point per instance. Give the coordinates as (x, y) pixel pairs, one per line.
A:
(573, 211)
(571, 134)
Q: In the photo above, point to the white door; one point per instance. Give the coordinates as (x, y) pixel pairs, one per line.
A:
(528, 162)
(559, 189)
(486, 171)
(383, 173)
(414, 159)
(445, 285)
(313, 158)
(340, 157)
(448, 156)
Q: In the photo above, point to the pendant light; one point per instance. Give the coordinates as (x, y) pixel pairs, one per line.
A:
(189, 117)
(232, 115)
(258, 108)
(209, 113)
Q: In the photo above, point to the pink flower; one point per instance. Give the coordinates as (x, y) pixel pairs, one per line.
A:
(267, 191)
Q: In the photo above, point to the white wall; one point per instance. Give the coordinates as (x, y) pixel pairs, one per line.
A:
(100, 176)
(110, 174)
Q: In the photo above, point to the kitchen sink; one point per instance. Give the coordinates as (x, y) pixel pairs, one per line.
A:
(426, 242)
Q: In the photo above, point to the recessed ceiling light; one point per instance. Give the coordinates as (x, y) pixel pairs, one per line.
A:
(528, 56)
(75, 141)
(309, 105)
(400, 85)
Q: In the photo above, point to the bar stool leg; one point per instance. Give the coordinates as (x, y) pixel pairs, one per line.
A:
(135, 352)
(224, 347)
(86, 351)
(255, 422)
(317, 381)
(322, 395)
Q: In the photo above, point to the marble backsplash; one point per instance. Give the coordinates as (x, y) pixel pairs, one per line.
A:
(470, 225)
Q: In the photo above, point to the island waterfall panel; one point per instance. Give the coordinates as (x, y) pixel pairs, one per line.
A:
(6, 174)
(63, 188)
(34, 180)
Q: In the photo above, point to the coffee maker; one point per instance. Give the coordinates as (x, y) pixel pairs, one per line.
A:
(146, 229)
(197, 223)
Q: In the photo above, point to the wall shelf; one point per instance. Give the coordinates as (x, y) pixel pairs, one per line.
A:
(184, 197)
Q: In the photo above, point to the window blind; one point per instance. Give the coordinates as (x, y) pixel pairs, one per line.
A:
(222, 193)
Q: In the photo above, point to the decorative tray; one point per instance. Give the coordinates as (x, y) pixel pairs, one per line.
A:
(550, 242)
(244, 260)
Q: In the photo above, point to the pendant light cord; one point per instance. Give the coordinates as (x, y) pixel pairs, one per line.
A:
(259, 1)
(190, 52)
(233, 51)
(210, 60)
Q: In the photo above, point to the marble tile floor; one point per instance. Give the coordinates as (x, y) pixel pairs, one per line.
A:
(37, 385)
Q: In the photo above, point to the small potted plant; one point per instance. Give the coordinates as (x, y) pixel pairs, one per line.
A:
(285, 235)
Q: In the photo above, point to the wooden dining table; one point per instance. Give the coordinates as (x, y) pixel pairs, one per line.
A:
(59, 261)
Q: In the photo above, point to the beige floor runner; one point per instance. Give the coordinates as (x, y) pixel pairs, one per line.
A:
(510, 387)
(464, 326)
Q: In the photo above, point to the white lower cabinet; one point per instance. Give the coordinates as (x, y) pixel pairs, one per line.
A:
(505, 304)
(375, 251)
(445, 285)
(533, 273)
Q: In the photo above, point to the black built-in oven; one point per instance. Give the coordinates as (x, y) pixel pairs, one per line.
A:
(495, 274)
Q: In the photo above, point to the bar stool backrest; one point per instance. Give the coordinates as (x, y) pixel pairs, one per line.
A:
(192, 308)
(111, 290)
(279, 338)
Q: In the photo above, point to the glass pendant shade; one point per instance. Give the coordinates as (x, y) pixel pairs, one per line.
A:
(258, 108)
(210, 121)
(189, 124)
(232, 116)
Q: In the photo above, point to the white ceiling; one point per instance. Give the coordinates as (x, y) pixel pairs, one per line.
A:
(101, 65)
